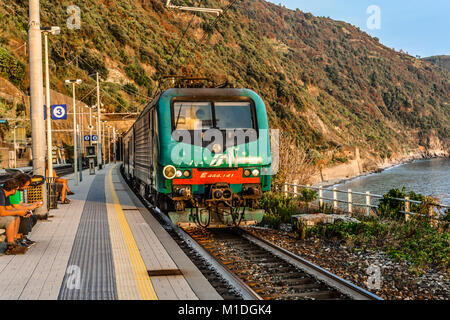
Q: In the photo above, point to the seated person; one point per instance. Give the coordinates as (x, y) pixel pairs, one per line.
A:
(62, 187)
(9, 218)
(26, 224)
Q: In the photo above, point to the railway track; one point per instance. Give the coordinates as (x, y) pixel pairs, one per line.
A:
(272, 272)
(257, 269)
(61, 170)
(241, 266)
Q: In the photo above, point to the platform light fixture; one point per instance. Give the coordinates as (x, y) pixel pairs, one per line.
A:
(75, 133)
(46, 31)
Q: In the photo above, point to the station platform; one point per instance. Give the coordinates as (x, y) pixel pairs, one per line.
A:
(104, 245)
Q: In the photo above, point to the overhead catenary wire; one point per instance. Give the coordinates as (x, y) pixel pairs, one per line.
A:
(212, 26)
(175, 52)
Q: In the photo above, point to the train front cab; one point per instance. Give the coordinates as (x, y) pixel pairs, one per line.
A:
(208, 180)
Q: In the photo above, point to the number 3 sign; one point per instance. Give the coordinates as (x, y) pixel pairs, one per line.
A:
(59, 112)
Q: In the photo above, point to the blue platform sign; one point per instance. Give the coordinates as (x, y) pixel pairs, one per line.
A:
(94, 138)
(87, 138)
(59, 112)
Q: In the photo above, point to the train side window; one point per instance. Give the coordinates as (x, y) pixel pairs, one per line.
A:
(150, 136)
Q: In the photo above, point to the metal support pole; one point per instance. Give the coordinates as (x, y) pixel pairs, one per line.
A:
(103, 144)
(335, 198)
(368, 203)
(350, 201)
(321, 196)
(15, 149)
(37, 98)
(75, 137)
(90, 126)
(115, 145)
(99, 129)
(80, 153)
(407, 209)
(109, 144)
(48, 106)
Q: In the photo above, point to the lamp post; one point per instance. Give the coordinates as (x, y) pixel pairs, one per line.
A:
(99, 132)
(109, 144)
(75, 138)
(90, 125)
(103, 142)
(15, 148)
(115, 145)
(80, 141)
(46, 31)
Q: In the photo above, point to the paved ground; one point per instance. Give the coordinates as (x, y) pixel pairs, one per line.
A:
(101, 247)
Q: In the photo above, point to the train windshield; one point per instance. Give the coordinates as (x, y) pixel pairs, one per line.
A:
(233, 115)
(193, 116)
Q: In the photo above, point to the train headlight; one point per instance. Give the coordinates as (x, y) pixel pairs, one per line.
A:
(179, 174)
(255, 173)
(218, 194)
(247, 173)
(186, 173)
(169, 172)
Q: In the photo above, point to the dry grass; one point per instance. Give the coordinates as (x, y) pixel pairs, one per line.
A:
(294, 164)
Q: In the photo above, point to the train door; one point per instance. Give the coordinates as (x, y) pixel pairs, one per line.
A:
(132, 154)
(155, 148)
(150, 147)
(125, 158)
(128, 143)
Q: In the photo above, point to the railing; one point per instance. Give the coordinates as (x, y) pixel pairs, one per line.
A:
(364, 195)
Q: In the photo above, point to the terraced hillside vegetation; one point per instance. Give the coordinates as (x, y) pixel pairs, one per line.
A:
(327, 84)
(442, 61)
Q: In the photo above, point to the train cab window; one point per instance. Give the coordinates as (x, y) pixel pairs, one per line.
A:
(233, 115)
(193, 116)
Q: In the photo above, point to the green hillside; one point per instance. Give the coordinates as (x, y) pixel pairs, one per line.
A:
(442, 61)
(326, 82)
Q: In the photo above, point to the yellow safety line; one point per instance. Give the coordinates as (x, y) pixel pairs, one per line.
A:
(144, 283)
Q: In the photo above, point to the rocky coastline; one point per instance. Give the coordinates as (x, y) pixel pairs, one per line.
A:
(350, 171)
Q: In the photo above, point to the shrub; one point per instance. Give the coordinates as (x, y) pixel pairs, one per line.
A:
(137, 73)
(415, 241)
(92, 63)
(11, 68)
(390, 207)
(130, 89)
(119, 33)
(279, 209)
(307, 196)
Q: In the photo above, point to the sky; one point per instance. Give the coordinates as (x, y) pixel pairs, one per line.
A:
(418, 27)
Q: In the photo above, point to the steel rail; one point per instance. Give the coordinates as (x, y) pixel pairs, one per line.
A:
(340, 284)
(240, 286)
